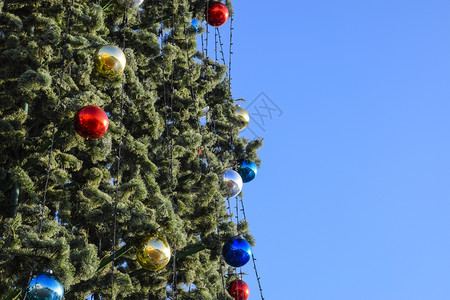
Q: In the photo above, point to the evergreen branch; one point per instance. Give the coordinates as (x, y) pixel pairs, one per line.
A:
(109, 259)
(106, 7)
(163, 19)
(5, 186)
(13, 295)
(138, 272)
(8, 182)
(191, 250)
(47, 144)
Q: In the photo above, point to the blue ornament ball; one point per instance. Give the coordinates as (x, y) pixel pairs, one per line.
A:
(196, 25)
(237, 252)
(45, 286)
(248, 171)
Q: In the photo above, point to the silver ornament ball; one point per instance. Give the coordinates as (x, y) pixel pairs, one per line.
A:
(233, 181)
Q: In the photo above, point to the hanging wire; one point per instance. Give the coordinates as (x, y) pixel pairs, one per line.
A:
(238, 233)
(206, 49)
(231, 52)
(222, 261)
(231, 141)
(212, 127)
(212, 124)
(52, 143)
(232, 147)
(258, 278)
(189, 66)
(215, 44)
(168, 118)
(207, 28)
(218, 39)
(210, 120)
(193, 98)
(172, 91)
(242, 209)
(229, 206)
(203, 46)
(221, 47)
(237, 216)
(169, 132)
(119, 159)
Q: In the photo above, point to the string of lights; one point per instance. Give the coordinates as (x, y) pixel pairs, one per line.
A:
(119, 159)
(52, 142)
(258, 278)
(168, 120)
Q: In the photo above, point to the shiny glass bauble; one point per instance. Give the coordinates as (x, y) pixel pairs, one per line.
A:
(91, 122)
(154, 253)
(239, 290)
(233, 181)
(45, 286)
(243, 115)
(248, 171)
(110, 61)
(216, 14)
(196, 25)
(236, 252)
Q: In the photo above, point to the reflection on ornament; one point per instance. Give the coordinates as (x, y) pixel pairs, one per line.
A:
(216, 14)
(196, 25)
(134, 3)
(239, 290)
(233, 181)
(154, 253)
(247, 170)
(91, 122)
(236, 252)
(45, 286)
(243, 115)
(110, 61)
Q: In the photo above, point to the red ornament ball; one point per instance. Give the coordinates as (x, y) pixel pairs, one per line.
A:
(239, 290)
(216, 14)
(91, 122)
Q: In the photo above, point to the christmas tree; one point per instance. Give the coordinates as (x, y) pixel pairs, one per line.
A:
(82, 203)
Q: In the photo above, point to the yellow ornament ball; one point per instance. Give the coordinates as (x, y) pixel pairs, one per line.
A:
(154, 253)
(243, 115)
(110, 61)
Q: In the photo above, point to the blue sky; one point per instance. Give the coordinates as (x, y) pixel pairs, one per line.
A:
(353, 198)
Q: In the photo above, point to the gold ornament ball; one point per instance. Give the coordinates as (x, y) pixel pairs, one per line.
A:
(243, 115)
(154, 253)
(110, 61)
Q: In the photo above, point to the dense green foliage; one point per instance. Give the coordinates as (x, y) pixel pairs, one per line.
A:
(160, 129)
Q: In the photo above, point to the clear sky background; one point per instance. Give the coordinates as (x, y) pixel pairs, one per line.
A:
(352, 201)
